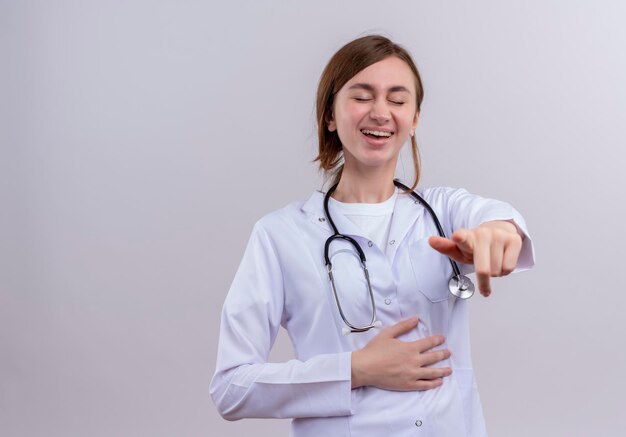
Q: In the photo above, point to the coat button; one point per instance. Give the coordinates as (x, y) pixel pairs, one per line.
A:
(322, 219)
(418, 423)
(370, 244)
(392, 242)
(387, 301)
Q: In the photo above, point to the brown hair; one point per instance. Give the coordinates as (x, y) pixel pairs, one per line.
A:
(343, 66)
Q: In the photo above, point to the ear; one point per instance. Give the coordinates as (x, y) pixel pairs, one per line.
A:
(414, 124)
(331, 125)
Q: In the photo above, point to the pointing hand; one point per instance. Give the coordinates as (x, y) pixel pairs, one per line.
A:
(493, 248)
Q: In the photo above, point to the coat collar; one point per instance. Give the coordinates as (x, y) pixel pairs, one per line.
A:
(314, 208)
(406, 212)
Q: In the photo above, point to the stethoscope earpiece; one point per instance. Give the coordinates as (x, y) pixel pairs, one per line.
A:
(376, 325)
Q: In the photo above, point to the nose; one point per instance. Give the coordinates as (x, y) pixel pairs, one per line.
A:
(380, 111)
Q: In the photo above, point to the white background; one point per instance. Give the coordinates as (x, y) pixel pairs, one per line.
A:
(140, 141)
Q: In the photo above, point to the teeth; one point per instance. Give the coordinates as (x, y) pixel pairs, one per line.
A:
(377, 133)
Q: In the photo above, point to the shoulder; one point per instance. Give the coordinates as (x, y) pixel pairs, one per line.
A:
(282, 215)
(290, 218)
(443, 195)
(459, 204)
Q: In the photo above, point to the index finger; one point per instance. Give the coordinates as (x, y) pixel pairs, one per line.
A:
(427, 343)
(482, 265)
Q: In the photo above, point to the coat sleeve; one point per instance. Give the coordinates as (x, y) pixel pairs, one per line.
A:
(244, 383)
(467, 210)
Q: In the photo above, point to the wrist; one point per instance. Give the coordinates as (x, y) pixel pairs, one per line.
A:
(356, 373)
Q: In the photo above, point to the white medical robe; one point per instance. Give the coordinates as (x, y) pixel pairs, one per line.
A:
(283, 281)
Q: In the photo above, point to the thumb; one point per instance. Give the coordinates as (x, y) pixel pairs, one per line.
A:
(443, 245)
(399, 328)
(463, 239)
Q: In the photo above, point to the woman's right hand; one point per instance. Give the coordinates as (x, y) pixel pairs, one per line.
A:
(392, 364)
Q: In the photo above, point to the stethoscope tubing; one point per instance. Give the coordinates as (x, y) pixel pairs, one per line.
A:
(459, 285)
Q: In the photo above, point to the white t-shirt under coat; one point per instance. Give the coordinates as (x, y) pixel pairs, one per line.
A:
(374, 219)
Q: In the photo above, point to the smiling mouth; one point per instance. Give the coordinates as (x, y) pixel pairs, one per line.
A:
(376, 133)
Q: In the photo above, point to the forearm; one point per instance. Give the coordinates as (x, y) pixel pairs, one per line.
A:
(319, 387)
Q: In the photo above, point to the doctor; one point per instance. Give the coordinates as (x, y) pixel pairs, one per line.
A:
(413, 376)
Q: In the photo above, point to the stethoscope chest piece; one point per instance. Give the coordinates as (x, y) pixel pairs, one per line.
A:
(461, 286)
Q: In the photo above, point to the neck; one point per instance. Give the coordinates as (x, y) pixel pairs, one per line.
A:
(373, 186)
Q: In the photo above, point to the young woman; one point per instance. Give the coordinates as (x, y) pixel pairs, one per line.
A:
(365, 259)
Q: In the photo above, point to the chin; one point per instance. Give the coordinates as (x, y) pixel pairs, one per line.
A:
(372, 158)
(374, 163)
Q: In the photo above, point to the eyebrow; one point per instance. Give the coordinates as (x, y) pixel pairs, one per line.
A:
(368, 87)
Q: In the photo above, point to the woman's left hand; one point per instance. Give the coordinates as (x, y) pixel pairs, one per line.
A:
(493, 248)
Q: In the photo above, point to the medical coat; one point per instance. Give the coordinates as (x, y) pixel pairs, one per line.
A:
(283, 281)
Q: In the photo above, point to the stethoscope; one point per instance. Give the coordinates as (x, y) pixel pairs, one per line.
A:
(459, 285)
